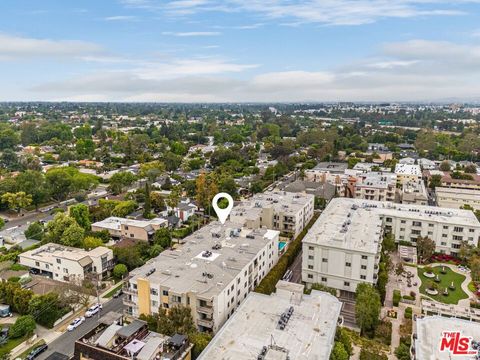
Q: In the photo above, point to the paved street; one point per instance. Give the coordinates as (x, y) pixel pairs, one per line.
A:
(65, 343)
(296, 268)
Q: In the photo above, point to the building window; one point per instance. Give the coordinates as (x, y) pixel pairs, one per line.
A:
(59, 261)
(364, 267)
(37, 263)
(324, 279)
(324, 260)
(310, 248)
(445, 227)
(346, 283)
(416, 223)
(402, 221)
(348, 264)
(65, 270)
(153, 291)
(363, 277)
(165, 292)
(310, 276)
(458, 229)
(364, 257)
(310, 257)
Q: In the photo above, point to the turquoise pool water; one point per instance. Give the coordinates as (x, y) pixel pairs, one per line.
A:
(281, 245)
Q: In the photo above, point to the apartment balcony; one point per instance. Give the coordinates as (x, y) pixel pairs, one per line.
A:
(205, 323)
(205, 310)
(208, 302)
(128, 301)
(130, 291)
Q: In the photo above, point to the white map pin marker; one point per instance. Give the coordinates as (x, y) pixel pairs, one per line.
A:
(222, 213)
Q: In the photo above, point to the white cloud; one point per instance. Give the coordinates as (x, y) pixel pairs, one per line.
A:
(330, 12)
(192, 33)
(412, 70)
(120, 18)
(16, 47)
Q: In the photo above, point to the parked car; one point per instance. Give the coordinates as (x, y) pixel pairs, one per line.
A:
(93, 310)
(5, 310)
(37, 351)
(118, 293)
(76, 323)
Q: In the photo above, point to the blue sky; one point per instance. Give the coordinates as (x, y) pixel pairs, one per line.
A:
(239, 50)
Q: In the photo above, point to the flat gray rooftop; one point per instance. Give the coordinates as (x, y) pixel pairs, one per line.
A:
(183, 269)
(429, 333)
(308, 333)
(342, 225)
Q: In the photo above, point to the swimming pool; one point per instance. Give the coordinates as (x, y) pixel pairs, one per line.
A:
(281, 245)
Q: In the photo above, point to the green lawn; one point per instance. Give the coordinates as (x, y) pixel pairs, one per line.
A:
(11, 344)
(113, 291)
(26, 352)
(445, 281)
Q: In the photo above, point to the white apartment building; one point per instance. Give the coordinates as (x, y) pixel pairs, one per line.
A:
(278, 210)
(376, 186)
(121, 228)
(341, 250)
(437, 338)
(68, 264)
(455, 198)
(212, 273)
(309, 329)
(408, 173)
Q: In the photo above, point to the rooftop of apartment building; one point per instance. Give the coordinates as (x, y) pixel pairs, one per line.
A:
(208, 261)
(282, 201)
(408, 169)
(284, 325)
(131, 341)
(115, 223)
(332, 167)
(455, 191)
(50, 251)
(363, 166)
(323, 190)
(417, 187)
(377, 180)
(346, 224)
(430, 331)
(421, 212)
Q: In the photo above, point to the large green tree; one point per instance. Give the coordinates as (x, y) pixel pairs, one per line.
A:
(63, 229)
(17, 201)
(81, 214)
(367, 308)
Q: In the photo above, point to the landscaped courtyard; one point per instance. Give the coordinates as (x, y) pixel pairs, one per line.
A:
(454, 296)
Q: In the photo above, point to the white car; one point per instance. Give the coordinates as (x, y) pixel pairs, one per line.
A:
(93, 310)
(75, 323)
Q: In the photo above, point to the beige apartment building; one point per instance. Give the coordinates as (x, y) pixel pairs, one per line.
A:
(408, 173)
(212, 273)
(456, 198)
(121, 228)
(376, 186)
(278, 210)
(68, 264)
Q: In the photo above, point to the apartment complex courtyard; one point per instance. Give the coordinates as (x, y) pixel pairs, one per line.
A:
(442, 284)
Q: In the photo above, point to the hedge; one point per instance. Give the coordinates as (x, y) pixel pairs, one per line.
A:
(408, 312)
(396, 297)
(267, 285)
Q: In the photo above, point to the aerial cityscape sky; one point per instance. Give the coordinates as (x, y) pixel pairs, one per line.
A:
(240, 50)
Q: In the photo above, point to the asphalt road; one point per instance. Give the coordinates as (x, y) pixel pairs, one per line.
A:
(296, 268)
(66, 342)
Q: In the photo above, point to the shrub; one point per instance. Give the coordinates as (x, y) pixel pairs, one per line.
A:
(408, 312)
(396, 297)
(23, 326)
(119, 271)
(367, 355)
